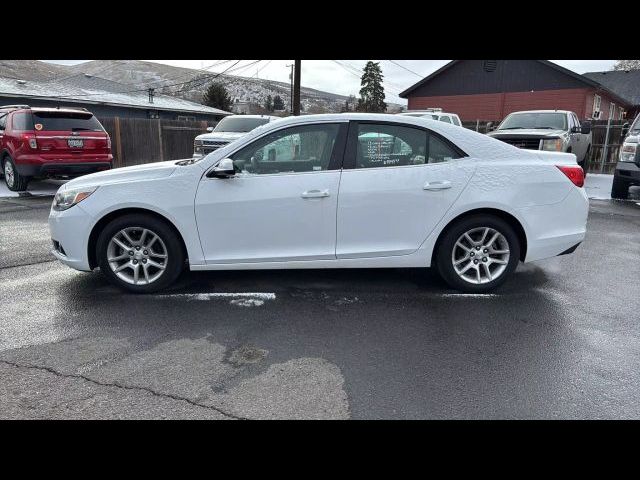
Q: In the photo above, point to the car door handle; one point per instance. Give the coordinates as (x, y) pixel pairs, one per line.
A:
(315, 194)
(439, 185)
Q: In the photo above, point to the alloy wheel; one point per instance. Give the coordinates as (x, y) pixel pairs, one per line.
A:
(137, 255)
(480, 255)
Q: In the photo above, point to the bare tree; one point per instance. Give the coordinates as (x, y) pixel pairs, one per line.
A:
(627, 65)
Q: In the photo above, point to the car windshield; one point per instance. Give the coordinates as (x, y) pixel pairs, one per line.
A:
(66, 121)
(636, 125)
(549, 121)
(237, 124)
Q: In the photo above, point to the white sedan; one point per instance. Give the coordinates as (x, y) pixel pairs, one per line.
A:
(328, 191)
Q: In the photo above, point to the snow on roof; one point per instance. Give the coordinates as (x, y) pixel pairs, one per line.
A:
(95, 90)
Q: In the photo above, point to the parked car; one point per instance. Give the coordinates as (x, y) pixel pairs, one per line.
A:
(226, 131)
(50, 142)
(328, 197)
(549, 130)
(627, 170)
(435, 114)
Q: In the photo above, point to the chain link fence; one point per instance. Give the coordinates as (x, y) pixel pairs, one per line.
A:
(606, 141)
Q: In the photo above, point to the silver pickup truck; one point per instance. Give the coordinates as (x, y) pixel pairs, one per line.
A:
(551, 130)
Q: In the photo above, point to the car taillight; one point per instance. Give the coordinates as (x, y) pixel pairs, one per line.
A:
(31, 140)
(573, 173)
(108, 142)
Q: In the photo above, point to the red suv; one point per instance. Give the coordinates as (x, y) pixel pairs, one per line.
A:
(50, 142)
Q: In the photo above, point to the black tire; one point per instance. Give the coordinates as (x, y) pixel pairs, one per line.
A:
(455, 231)
(15, 182)
(175, 255)
(619, 189)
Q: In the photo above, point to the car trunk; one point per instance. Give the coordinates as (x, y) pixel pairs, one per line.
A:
(70, 133)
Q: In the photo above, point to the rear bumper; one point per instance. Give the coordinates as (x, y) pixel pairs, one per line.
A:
(627, 171)
(74, 169)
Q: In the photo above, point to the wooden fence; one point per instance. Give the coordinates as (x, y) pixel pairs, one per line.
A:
(598, 161)
(140, 140)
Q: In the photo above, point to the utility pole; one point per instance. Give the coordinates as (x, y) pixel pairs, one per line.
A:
(296, 88)
(291, 89)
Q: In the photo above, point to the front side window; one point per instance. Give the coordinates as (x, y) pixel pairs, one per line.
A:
(395, 146)
(306, 148)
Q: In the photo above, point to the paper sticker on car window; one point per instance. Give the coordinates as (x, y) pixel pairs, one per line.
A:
(38, 126)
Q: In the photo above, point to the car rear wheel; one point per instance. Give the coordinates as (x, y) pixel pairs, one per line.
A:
(619, 189)
(140, 253)
(478, 253)
(15, 182)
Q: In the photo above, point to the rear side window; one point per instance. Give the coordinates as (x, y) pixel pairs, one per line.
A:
(445, 119)
(383, 145)
(66, 121)
(21, 121)
(456, 121)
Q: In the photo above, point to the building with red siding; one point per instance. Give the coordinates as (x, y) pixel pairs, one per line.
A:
(488, 90)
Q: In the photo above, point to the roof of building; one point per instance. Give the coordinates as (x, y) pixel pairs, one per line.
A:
(625, 83)
(583, 78)
(88, 89)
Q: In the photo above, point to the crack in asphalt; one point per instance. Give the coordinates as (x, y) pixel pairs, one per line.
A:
(28, 264)
(124, 387)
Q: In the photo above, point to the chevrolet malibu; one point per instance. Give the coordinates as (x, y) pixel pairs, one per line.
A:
(328, 191)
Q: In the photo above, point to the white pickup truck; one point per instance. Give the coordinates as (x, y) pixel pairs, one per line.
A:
(551, 130)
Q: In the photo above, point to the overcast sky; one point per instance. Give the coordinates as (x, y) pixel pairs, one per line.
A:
(343, 76)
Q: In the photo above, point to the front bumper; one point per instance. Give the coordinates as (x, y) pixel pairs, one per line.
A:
(627, 171)
(70, 231)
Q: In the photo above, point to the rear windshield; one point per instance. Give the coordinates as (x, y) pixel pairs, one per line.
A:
(56, 121)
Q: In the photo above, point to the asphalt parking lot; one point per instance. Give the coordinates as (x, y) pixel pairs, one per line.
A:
(561, 339)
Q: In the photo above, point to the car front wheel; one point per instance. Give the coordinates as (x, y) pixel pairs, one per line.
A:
(140, 253)
(478, 253)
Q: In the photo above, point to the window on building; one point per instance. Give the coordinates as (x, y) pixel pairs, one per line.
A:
(186, 118)
(620, 113)
(612, 111)
(596, 106)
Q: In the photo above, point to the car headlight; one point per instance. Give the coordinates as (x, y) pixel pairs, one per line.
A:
(628, 152)
(68, 198)
(552, 144)
(197, 146)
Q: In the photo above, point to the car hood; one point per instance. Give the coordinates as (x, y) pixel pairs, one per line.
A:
(147, 171)
(222, 136)
(526, 132)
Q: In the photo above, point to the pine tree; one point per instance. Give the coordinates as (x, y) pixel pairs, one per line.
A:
(278, 103)
(217, 96)
(627, 65)
(371, 91)
(268, 104)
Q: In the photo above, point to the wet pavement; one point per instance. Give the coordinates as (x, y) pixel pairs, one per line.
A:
(561, 339)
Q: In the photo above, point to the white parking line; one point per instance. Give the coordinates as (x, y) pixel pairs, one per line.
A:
(243, 299)
(481, 295)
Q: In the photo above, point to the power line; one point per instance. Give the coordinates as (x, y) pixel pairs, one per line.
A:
(407, 69)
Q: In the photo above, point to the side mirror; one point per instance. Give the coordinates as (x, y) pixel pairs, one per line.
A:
(625, 129)
(209, 129)
(491, 127)
(585, 128)
(224, 169)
